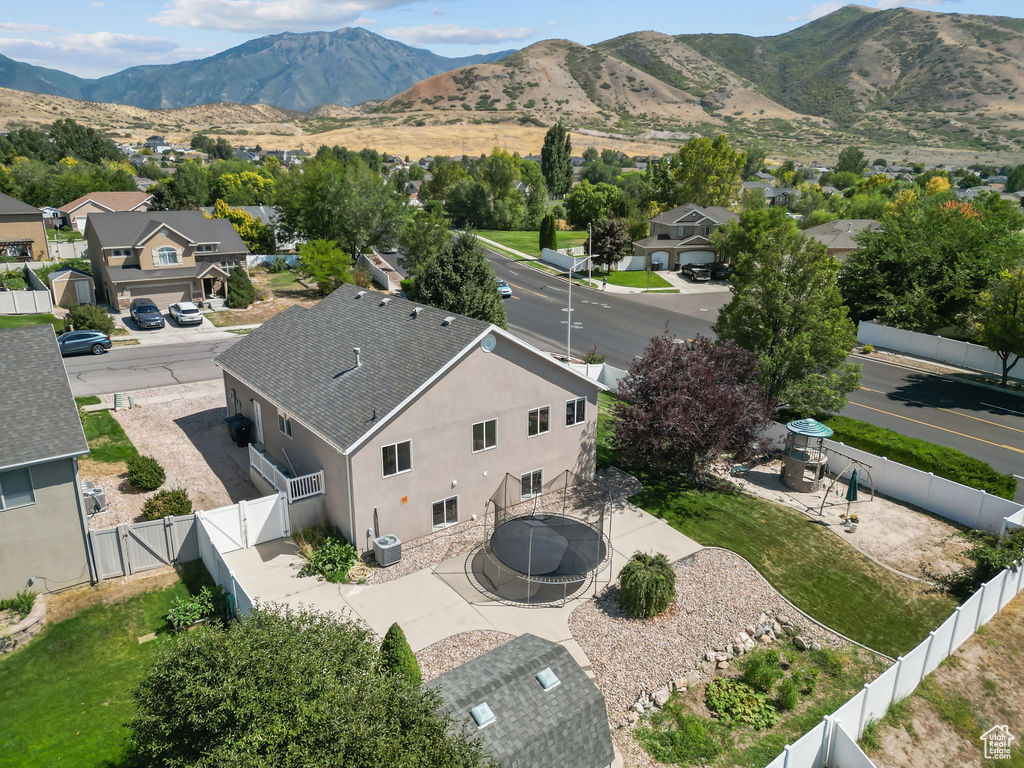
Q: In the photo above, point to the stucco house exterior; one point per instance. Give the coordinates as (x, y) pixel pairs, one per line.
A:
(166, 256)
(681, 236)
(77, 211)
(71, 287)
(22, 234)
(839, 236)
(413, 415)
(42, 514)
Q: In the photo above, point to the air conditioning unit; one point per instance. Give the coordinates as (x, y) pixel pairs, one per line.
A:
(387, 550)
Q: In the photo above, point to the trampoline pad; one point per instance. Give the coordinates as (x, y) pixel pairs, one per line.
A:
(557, 545)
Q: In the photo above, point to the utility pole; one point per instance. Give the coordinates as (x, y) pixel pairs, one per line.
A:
(590, 251)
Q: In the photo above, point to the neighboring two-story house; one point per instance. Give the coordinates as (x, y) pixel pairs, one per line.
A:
(42, 514)
(22, 234)
(682, 236)
(166, 256)
(77, 211)
(414, 415)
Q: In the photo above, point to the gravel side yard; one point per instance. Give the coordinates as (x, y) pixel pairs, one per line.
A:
(718, 594)
(456, 650)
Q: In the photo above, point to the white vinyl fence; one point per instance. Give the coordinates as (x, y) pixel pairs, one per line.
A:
(25, 302)
(564, 260)
(603, 373)
(960, 353)
(258, 259)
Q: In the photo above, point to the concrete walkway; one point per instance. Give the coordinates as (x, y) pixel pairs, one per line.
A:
(434, 603)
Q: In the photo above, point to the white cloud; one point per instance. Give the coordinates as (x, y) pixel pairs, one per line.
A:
(268, 16)
(823, 9)
(453, 33)
(885, 5)
(23, 28)
(817, 11)
(96, 53)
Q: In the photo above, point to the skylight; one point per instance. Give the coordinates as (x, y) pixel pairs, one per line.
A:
(547, 679)
(482, 714)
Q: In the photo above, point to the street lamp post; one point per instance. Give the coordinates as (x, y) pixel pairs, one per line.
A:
(568, 336)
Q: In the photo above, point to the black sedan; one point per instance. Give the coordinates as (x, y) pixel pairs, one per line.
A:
(696, 272)
(83, 341)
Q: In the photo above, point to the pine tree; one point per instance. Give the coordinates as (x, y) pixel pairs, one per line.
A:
(548, 235)
(555, 160)
(396, 657)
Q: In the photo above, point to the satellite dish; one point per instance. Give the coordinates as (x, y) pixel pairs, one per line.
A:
(488, 343)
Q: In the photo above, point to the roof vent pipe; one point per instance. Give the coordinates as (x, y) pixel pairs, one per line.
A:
(355, 351)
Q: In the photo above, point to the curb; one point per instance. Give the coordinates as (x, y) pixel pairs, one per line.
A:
(957, 377)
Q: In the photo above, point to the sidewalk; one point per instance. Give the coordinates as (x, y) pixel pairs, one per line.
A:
(174, 334)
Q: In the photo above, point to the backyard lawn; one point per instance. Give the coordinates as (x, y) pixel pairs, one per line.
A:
(108, 442)
(20, 321)
(634, 279)
(529, 241)
(66, 695)
(808, 564)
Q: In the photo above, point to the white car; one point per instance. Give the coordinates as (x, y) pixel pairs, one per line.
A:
(504, 289)
(186, 313)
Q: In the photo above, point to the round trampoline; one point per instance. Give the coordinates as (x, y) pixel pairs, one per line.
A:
(551, 547)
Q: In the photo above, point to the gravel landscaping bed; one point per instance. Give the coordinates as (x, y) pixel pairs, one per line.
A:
(447, 654)
(718, 595)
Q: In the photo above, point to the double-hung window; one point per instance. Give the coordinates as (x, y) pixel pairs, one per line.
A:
(16, 488)
(446, 512)
(485, 435)
(531, 484)
(575, 411)
(538, 421)
(396, 458)
(284, 423)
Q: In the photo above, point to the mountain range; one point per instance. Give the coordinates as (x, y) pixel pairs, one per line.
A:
(290, 70)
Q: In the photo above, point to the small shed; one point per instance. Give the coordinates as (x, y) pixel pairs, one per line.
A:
(71, 287)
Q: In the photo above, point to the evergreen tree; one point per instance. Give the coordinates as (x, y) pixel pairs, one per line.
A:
(548, 236)
(397, 658)
(555, 159)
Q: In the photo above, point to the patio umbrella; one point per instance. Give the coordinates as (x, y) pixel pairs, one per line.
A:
(851, 491)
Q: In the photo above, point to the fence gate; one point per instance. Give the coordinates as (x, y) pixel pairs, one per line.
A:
(145, 545)
(137, 547)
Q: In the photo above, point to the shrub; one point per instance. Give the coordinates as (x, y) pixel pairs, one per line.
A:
(173, 501)
(680, 737)
(397, 658)
(21, 603)
(736, 703)
(990, 555)
(761, 669)
(361, 276)
(328, 556)
(806, 680)
(145, 473)
(241, 291)
(828, 661)
(592, 357)
(647, 585)
(89, 317)
(14, 283)
(277, 264)
(186, 611)
(867, 349)
(789, 695)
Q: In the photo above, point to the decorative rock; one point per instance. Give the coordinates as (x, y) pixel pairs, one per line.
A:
(679, 684)
(758, 633)
(661, 697)
(638, 708)
(750, 630)
(720, 648)
(776, 628)
(815, 646)
(692, 678)
(723, 665)
(722, 657)
(728, 649)
(765, 639)
(632, 717)
(783, 619)
(762, 618)
(800, 643)
(709, 656)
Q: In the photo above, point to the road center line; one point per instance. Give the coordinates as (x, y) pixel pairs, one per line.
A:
(941, 429)
(945, 410)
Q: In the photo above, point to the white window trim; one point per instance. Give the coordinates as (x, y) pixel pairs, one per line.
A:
(31, 483)
(531, 473)
(546, 431)
(575, 400)
(444, 501)
(283, 419)
(177, 254)
(486, 447)
(395, 445)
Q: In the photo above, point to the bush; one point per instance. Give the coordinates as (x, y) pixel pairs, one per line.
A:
(89, 317)
(736, 703)
(328, 556)
(241, 291)
(14, 283)
(990, 555)
(145, 473)
(828, 661)
(592, 357)
(647, 585)
(680, 737)
(186, 611)
(761, 669)
(174, 501)
(789, 694)
(361, 276)
(867, 349)
(21, 603)
(277, 264)
(397, 658)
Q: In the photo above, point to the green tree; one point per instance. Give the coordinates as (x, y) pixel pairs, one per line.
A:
(460, 280)
(446, 174)
(754, 161)
(187, 189)
(423, 237)
(851, 160)
(397, 658)
(287, 688)
(609, 242)
(1015, 178)
(787, 309)
(588, 202)
(706, 172)
(257, 236)
(71, 139)
(323, 262)
(556, 159)
(548, 233)
(998, 319)
(241, 291)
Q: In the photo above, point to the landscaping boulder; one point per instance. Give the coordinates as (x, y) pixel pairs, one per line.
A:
(783, 619)
(800, 643)
(661, 697)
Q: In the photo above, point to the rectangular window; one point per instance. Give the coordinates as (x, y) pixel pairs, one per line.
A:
(531, 483)
(284, 423)
(485, 435)
(121, 252)
(396, 458)
(446, 512)
(575, 411)
(16, 489)
(537, 422)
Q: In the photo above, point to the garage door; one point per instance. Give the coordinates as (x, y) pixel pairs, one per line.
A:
(659, 260)
(162, 294)
(696, 257)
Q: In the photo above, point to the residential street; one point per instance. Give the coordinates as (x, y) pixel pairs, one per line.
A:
(978, 421)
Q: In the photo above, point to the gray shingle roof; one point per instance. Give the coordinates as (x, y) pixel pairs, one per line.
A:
(840, 234)
(566, 726)
(38, 416)
(302, 359)
(715, 212)
(123, 229)
(12, 205)
(139, 275)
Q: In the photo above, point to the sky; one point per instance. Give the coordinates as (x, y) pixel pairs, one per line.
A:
(92, 38)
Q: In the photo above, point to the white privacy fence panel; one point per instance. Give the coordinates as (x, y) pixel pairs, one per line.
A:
(844, 752)
(809, 749)
(960, 353)
(564, 260)
(219, 571)
(940, 645)
(602, 373)
(877, 697)
(25, 302)
(911, 671)
(136, 547)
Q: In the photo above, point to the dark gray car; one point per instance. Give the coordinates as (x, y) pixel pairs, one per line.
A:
(83, 341)
(146, 314)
